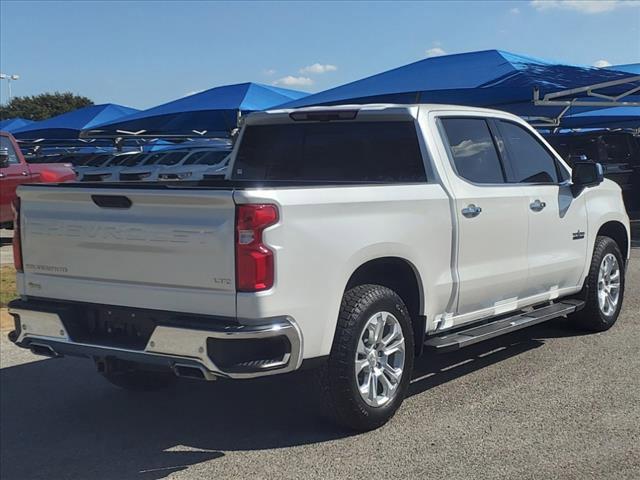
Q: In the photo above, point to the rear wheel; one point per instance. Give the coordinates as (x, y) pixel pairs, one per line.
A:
(371, 361)
(604, 288)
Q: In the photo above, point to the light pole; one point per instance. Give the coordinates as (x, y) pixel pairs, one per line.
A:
(8, 78)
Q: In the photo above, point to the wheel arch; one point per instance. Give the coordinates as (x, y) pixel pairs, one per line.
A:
(618, 232)
(401, 276)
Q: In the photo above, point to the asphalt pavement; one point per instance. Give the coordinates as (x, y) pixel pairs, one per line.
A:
(543, 403)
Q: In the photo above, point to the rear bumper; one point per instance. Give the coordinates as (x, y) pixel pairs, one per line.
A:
(223, 350)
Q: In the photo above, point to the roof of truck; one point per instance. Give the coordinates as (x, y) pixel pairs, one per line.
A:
(386, 109)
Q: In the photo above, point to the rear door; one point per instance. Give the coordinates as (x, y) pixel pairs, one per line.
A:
(154, 248)
(557, 221)
(492, 221)
(10, 177)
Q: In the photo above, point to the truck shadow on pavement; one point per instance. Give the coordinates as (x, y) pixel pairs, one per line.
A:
(60, 419)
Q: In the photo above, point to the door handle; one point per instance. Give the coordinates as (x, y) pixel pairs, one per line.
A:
(471, 211)
(537, 206)
(24, 174)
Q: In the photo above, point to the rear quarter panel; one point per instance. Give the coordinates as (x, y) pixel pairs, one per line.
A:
(324, 234)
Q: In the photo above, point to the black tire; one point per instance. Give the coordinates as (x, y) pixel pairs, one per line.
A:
(338, 380)
(140, 380)
(591, 317)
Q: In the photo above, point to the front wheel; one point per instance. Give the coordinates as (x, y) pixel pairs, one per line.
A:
(371, 360)
(604, 288)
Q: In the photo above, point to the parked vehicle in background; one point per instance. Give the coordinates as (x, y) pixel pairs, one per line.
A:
(86, 164)
(110, 170)
(148, 169)
(197, 164)
(350, 239)
(14, 171)
(617, 151)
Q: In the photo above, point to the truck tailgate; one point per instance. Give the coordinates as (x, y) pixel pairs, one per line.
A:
(149, 248)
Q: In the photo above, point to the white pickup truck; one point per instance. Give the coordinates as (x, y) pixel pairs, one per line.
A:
(347, 238)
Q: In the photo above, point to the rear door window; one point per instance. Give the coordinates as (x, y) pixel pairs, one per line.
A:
(359, 152)
(474, 153)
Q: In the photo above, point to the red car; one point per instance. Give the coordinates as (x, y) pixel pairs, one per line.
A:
(14, 170)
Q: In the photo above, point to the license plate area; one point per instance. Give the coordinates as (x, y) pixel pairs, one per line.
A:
(111, 326)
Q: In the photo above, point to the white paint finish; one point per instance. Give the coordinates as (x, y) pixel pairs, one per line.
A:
(555, 259)
(318, 244)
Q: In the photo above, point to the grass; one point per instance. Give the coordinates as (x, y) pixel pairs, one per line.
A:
(7, 284)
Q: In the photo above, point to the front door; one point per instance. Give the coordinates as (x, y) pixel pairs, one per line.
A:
(557, 243)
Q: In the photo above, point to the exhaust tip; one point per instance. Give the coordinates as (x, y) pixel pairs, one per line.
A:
(190, 371)
(44, 350)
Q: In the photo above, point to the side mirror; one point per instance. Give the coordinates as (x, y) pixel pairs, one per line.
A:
(585, 174)
(4, 157)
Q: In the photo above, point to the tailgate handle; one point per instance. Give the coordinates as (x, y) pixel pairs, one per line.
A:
(111, 201)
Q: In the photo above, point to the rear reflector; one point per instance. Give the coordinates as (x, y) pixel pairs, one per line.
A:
(17, 240)
(254, 260)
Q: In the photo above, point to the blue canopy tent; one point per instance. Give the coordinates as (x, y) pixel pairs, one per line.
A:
(629, 68)
(615, 117)
(68, 126)
(11, 124)
(522, 85)
(213, 112)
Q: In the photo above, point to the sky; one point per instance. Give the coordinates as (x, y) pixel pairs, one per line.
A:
(141, 54)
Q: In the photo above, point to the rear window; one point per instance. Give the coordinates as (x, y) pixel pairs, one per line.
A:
(172, 158)
(360, 152)
(164, 158)
(206, 158)
(98, 160)
(121, 159)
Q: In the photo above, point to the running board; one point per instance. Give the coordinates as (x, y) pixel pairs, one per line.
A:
(463, 338)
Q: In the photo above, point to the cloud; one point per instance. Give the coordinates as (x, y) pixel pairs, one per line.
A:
(583, 6)
(318, 68)
(291, 81)
(435, 52)
(514, 11)
(269, 72)
(602, 63)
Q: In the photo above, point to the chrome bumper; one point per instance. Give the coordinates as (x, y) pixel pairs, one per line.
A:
(172, 346)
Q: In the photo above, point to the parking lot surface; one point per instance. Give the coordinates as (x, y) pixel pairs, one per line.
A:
(545, 402)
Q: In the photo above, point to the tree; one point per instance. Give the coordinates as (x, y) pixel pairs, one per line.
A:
(45, 105)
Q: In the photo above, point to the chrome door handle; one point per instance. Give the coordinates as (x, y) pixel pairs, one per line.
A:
(537, 206)
(471, 211)
(24, 173)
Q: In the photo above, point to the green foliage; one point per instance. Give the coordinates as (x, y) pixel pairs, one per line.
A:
(45, 105)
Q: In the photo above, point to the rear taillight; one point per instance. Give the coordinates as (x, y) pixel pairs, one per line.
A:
(254, 260)
(17, 237)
